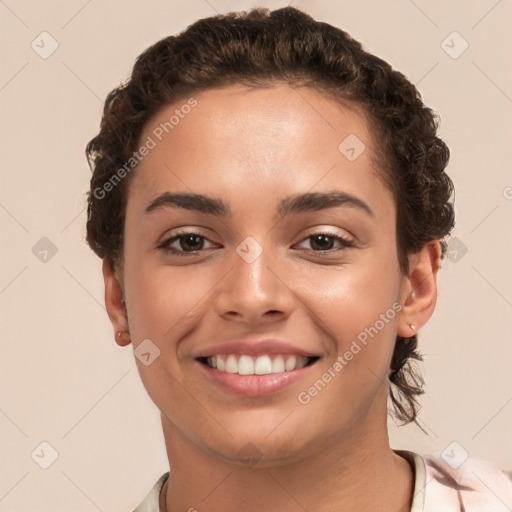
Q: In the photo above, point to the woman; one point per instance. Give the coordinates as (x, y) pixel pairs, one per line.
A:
(270, 203)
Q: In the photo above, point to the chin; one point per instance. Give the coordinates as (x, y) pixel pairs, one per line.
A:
(263, 448)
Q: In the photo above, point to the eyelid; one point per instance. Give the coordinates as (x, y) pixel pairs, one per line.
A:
(179, 231)
(345, 242)
(330, 231)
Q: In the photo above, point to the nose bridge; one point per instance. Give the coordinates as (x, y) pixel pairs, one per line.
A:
(253, 287)
(252, 263)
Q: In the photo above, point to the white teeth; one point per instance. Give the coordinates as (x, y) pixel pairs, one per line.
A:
(290, 363)
(278, 364)
(246, 365)
(231, 364)
(261, 365)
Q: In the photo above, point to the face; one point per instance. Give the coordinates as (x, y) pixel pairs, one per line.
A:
(288, 260)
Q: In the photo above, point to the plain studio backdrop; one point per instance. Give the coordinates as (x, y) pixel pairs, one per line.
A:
(77, 430)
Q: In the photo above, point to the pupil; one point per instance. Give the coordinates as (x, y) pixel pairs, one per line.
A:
(324, 240)
(189, 242)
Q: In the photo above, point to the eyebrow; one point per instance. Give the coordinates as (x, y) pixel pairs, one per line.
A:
(297, 203)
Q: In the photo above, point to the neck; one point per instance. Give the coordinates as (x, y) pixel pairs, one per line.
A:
(352, 474)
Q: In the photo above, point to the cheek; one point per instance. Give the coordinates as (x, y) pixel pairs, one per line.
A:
(353, 298)
(163, 308)
(357, 308)
(163, 297)
(357, 311)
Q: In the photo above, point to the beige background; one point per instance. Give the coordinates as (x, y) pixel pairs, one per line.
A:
(62, 378)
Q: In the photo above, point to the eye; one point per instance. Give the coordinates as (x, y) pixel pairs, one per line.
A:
(184, 242)
(189, 242)
(324, 241)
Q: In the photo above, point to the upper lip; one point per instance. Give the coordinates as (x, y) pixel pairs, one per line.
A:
(254, 347)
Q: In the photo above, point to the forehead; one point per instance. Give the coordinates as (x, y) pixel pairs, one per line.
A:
(237, 140)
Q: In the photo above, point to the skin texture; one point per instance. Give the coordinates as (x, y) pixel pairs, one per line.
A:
(252, 148)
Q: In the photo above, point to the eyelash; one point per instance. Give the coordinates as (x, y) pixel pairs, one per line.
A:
(165, 245)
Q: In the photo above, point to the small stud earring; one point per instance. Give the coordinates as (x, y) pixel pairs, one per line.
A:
(413, 327)
(120, 333)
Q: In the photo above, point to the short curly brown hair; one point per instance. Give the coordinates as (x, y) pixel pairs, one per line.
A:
(259, 48)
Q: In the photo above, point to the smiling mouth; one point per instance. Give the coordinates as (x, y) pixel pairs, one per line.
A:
(264, 364)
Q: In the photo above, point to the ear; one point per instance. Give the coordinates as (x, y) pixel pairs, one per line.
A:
(419, 289)
(114, 303)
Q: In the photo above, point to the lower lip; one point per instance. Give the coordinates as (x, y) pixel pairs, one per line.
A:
(255, 385)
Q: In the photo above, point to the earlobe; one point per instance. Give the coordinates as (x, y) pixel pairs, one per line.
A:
(122, 338)
(419, 289)
(114, 303)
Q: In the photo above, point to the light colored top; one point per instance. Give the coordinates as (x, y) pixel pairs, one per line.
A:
(439, 486)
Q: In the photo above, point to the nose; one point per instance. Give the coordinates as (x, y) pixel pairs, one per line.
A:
(255, 292)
